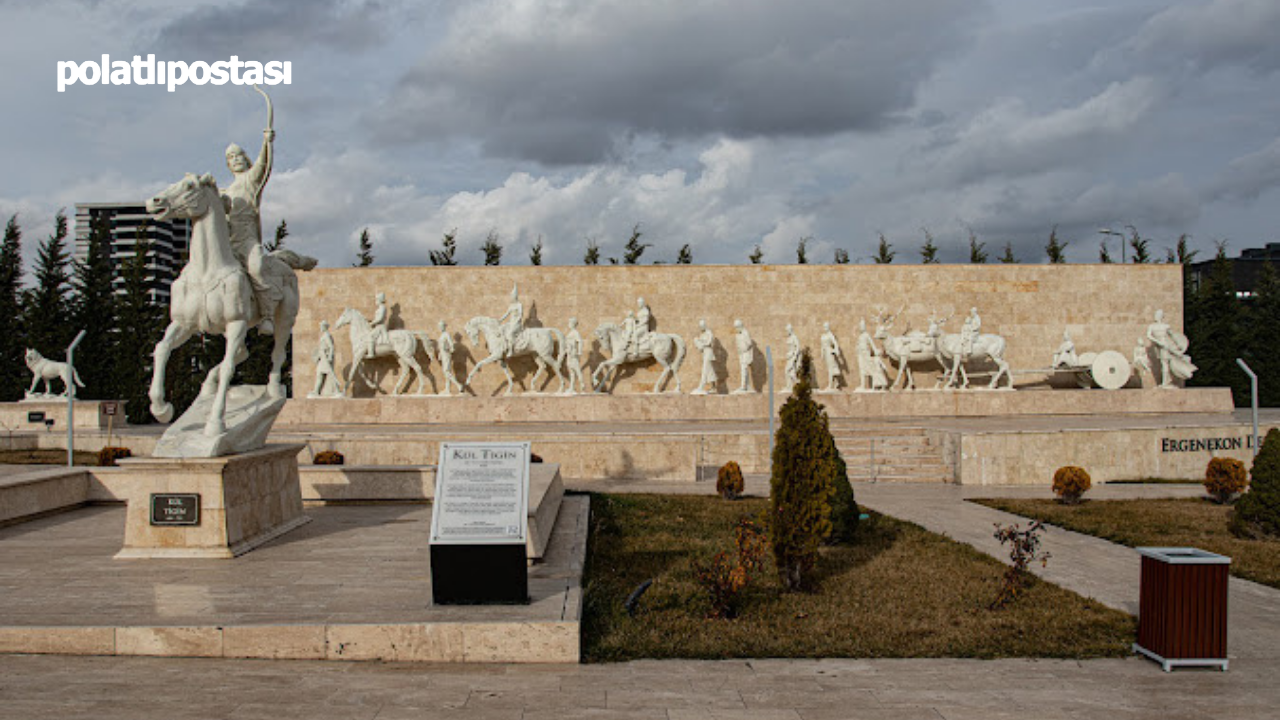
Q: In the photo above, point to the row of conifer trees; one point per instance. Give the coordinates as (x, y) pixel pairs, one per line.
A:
(67, 294)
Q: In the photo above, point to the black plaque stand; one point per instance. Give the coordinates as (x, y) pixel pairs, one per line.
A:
(479, 574)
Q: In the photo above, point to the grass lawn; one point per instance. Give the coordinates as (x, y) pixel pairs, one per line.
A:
(1193, 522)
(898, 591)
(46, 457)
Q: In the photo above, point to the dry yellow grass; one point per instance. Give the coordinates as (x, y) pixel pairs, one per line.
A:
(46, 457)
(1189, 522)
(898, 591)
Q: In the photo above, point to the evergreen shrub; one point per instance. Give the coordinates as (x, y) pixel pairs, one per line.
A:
(806, 465)
(1224, 478)
(1071, 482)
(1257, 512)
(729, 482)
(329, 457)
(108, 455)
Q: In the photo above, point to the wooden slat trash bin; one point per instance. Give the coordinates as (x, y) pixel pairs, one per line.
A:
(1182, 607)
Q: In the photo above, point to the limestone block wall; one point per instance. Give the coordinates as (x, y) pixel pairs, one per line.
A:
(1030, 458)
(1106, 307)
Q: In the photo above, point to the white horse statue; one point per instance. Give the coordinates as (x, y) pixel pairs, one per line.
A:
(913, 347)
(990, 347)
(46, 370)
(541, 343)
(403, 344)
(213, 295)
(667, 348)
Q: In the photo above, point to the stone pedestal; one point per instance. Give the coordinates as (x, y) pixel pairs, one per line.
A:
(90, 414)
(245, 501)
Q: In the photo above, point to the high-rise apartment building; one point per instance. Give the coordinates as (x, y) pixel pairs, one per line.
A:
(167, 243)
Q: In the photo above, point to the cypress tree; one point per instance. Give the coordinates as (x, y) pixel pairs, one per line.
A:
(929, 252)
(364, 258)
(492, 249)
(1214, 330)
(802, 254)
(884, 253)
(592, 256)
(685, 256)
(805, 465)
(141, 324)
(632, 251)
(977, 250)
(1262, 351)
(46, 307)
(93, 310)
(13, 380)
(535, 253)
(756, 256)
(450, 246)
(1055, 248)
(1257, 512)
(1008, 257)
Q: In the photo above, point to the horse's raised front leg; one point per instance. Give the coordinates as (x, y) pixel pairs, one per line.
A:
(174, 336)
(236, 331)
(476, 369)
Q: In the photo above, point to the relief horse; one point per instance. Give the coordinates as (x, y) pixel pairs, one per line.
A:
(912, 347)
(668, 349)
(541, 343)
(402, 344)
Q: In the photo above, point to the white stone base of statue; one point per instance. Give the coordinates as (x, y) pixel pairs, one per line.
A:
(249, 416)
(246, 500)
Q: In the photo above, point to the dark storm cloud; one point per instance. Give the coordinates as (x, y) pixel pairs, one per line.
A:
(559, 82)
(269, 28)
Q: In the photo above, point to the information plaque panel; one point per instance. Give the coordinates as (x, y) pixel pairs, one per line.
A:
(175, 509)
(479, 523)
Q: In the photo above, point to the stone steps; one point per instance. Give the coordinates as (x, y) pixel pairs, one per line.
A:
(887, 453)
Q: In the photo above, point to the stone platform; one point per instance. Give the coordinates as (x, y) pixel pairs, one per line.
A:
(89, 414)
(667, 407)
(354, 584)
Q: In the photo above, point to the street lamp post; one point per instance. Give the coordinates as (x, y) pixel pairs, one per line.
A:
(1109, 231)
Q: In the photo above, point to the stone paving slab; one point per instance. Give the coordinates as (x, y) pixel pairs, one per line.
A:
(355, 583)
(138, 688)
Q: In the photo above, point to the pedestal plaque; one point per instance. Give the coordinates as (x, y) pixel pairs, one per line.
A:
(479, 524)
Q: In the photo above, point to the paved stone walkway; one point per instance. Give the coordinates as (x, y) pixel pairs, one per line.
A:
(73, 688)
(1132, 689)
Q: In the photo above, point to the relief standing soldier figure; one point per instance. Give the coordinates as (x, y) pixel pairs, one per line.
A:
(706, 343)
(324, 355)
(573, 357)
(831, 354)
(444, 353)
(1171, 348)
(746, 355)
(793, 359)
(871, 367)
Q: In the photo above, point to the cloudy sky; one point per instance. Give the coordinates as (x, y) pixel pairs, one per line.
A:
(724, 124)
